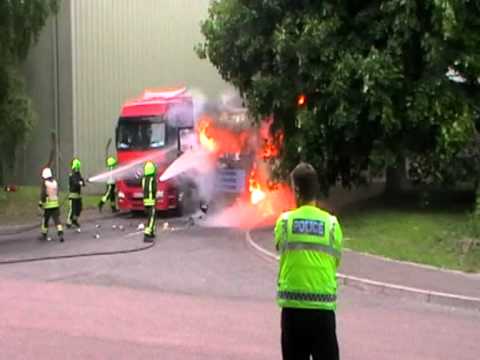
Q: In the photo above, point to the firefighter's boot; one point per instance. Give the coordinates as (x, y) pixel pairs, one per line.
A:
(60, 233)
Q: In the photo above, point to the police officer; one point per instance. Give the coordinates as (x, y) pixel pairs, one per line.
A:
(49, 203)
(76, 182)
(110, 192)
(309, 240)
(149, 184)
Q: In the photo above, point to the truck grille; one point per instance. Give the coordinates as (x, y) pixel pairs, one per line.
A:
(133, 182)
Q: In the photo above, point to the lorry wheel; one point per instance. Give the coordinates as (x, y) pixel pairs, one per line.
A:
(188, 203)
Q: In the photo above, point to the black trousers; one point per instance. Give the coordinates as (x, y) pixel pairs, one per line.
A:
(75, 210)
(55, 215)
(309, 332)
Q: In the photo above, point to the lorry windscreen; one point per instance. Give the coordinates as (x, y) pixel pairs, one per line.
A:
(143, 132)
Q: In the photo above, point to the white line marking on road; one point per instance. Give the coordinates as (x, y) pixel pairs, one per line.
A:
(134, 233)
(348, 278)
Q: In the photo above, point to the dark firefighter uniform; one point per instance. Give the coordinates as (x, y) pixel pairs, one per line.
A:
(50, 204)
(75, 197)
(110, 192)
(149, 185)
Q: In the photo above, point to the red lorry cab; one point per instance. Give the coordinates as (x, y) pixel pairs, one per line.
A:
(149, 128)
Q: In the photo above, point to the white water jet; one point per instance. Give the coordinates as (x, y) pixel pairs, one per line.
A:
(127, 171)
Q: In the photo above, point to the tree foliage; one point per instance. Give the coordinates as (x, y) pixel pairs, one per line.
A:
(373, 72)
(20, 24)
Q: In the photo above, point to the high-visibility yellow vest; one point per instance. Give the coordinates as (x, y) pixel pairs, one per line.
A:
(310, 242)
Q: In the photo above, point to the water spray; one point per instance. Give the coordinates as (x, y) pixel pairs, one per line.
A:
(127, 171)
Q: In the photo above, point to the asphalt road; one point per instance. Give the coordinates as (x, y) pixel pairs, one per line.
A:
(200, 293)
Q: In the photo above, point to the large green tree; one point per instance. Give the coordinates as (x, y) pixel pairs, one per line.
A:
(20, 25)
(373, 73)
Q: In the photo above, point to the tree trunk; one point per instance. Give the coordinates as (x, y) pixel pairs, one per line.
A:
(396, 178)
(477, 201)
(1, 174)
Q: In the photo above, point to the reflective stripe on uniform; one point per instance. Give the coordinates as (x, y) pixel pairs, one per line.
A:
(332, 230)
(150, 229)
(70, 213)
(107, 193)
(300, 296)
(51, 204)
(330, 250)
(74, 196)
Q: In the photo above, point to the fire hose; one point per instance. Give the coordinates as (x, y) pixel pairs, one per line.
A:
(78, 255)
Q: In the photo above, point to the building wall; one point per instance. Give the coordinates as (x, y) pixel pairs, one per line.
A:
(48, 78)
(121, 47)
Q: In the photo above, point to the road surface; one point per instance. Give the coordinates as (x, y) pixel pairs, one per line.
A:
(200, 293)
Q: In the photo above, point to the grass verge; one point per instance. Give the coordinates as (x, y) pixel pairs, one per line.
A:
(442, 234)
(20, 207)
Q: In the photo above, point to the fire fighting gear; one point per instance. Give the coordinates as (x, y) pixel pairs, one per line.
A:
(75, 209)
(53, 213)
(47, 173)
(149, 232)
(110, 191)
(76, 182)
(149, 185)
(50, 205)
(49, 194)
(76, 164)
(310, 241)
(111, 162)
(149, 168)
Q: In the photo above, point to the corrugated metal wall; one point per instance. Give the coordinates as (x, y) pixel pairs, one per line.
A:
(121, 47)
(48, 78)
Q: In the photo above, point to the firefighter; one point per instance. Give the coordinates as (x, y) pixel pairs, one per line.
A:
(110, 192)
(76, 183)
(309, 240)
(50, 204)
(149, 185)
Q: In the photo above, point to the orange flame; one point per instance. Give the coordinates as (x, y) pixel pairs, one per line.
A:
(221, 140)
(204, 127)
(265, 198)
(256, 192)
(301, 100)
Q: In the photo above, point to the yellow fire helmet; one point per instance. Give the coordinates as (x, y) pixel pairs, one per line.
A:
(111, 161)
(149, 168)
(76, 164)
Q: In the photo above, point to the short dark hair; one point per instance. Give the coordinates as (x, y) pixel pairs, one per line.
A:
(305, 182)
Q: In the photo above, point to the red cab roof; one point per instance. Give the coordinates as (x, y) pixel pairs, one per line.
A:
(155, 101)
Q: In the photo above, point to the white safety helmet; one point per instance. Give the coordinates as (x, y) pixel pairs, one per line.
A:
(47, 173)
